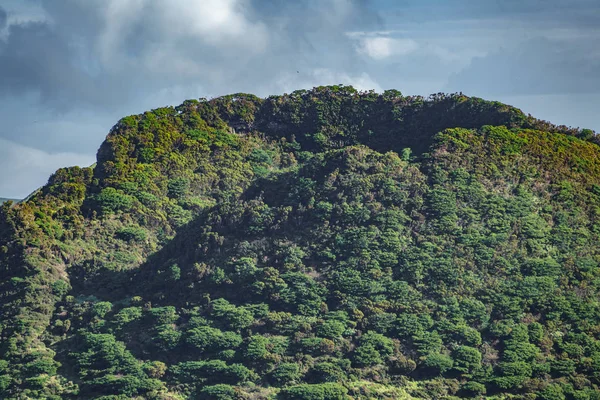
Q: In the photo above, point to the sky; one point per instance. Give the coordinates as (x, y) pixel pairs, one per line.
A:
(70, 69)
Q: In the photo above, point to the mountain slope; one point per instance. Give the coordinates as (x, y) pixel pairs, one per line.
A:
(317, 245)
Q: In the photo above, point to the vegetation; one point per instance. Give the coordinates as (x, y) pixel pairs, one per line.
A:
(324, 244)
(4, 200)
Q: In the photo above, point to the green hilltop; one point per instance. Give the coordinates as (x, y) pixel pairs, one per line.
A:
(324, 244)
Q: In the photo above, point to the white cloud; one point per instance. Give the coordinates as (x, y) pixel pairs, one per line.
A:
(379, 48)
(23, 168)
(103, 59)
(289, 82)
(172, 26)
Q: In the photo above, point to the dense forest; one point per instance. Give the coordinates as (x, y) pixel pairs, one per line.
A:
(324, 244)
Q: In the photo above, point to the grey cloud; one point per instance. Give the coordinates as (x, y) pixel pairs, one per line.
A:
(536, 66)
(2, 18)
(561, 13)
(580, 110)
(68, 74)
(36, 58)
(116, 57)
(22, 168)
(70, 68)
(558, 12)
(112, 53)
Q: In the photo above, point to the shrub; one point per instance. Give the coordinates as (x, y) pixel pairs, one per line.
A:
(60, 288)
(438, 364)
(111, 200)
(367, 356)
(552, 392)
(132, 234)
(206, 339)
(474, 388)
(331, 329)
(174, 272)
(178, 187)
(260, 156)
(324, 391)
(326, 372)
(213, 372)
(101, 308)
(285, 374)
(218, 392)
(466, 359)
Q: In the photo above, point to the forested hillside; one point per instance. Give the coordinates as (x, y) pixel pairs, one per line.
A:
(324, 244)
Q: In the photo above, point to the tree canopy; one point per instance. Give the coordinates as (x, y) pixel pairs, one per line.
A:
(324, 244)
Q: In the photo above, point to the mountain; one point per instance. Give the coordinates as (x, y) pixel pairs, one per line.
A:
(323, 244)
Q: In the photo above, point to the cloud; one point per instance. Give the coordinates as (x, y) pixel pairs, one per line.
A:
(35, 58)
(176, 36)
(22, 169)
(70, 69)
(536, 66)
(26, 123)
(3, 18)
(379, 47)
(580, 110)
(111, 53)
(294, 80)
(534, 13)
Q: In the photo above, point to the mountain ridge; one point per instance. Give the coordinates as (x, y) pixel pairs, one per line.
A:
(321, 244)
